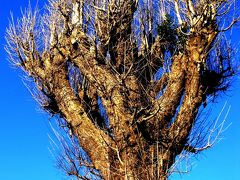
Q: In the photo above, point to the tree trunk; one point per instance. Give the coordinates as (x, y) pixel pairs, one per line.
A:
(127, 84)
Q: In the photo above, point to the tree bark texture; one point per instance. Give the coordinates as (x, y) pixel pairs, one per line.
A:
(148, 74)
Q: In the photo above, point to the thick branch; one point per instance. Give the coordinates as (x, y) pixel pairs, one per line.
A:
(114, 29)
(185, 120)
(169, 101)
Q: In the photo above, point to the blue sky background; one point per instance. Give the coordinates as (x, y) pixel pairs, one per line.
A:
(24, 129)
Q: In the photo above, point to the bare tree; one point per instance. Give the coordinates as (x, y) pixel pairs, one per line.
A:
(126, 78)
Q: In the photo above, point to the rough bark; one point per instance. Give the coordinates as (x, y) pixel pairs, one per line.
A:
(115, 60)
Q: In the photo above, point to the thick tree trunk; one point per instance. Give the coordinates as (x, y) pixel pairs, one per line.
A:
(99, 70)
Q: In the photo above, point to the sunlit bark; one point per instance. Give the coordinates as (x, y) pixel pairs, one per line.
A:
(131, 59)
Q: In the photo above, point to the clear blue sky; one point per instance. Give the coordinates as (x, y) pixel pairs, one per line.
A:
(24, 142)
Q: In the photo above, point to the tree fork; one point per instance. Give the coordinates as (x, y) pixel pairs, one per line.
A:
(126, 78)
